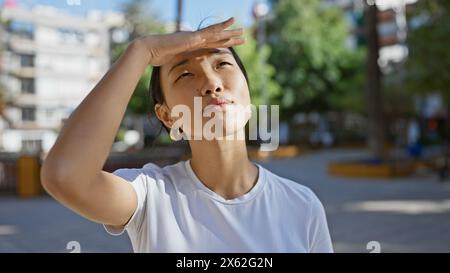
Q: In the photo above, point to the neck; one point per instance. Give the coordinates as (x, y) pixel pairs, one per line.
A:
(223, 166)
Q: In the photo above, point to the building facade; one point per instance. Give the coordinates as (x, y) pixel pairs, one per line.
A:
(50, 62)
(392, 27)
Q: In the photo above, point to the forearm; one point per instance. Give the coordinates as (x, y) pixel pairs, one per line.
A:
(86, 139)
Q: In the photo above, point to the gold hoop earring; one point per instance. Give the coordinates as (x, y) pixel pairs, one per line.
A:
(175, 134)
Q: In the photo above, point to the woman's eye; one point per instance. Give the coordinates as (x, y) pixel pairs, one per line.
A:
(185, 74)
(223, 64)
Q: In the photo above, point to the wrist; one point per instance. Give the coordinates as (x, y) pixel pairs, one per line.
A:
(138, 46)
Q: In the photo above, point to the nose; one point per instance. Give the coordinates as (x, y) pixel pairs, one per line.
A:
(212, 85)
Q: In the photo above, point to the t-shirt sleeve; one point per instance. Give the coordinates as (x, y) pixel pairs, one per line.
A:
(138, 180)
(319, 235)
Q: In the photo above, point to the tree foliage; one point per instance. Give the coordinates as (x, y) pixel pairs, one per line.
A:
(314, 67)
(140, 22)
(428, 66)
(255, 62)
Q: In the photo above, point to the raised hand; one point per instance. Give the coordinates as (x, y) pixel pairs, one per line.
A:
(161, 48)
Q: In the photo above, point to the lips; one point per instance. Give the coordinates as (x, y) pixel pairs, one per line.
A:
(220, 101)
(217, 104)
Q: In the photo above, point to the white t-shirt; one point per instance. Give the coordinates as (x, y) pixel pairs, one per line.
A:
(176, 212)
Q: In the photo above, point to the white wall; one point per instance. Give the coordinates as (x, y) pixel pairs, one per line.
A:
(12, 139)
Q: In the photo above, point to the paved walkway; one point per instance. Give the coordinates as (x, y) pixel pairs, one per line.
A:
(403, 215)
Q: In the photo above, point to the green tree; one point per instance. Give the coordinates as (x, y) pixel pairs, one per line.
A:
(251, 58)
(141, 21)
(140, 101)
(428, 65)
(314, 67)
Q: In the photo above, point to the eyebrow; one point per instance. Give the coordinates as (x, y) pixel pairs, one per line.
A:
(213, 51)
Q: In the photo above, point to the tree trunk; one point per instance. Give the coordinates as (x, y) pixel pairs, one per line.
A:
(376, 129)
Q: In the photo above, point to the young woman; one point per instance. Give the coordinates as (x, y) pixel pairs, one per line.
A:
(217, 201)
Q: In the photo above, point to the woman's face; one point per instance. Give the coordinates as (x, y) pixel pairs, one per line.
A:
(210, 75)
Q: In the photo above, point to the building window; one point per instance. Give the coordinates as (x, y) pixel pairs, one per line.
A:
(29, 114)
(27, 86)
(26, 60)
(70, 36)
(22, 29)
(49, 114)
(32, 146)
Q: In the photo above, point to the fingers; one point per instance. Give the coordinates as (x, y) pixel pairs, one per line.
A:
(219, 26)
(218, 32)
(227, 42)
(227, 23)
(226, 34)
(217, 36)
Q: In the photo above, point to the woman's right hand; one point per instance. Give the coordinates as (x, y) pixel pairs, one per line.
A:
(160, 48)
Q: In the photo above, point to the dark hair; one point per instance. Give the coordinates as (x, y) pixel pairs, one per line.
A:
(155, 89)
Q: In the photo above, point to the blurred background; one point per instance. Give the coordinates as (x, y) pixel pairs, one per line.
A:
(363, 88)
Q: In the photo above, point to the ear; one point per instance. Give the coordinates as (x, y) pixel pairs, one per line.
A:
(163, 114)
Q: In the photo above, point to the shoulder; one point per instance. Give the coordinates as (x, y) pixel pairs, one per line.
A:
(154, 183)
(149, 171)
(166, 180)
(291, 191)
